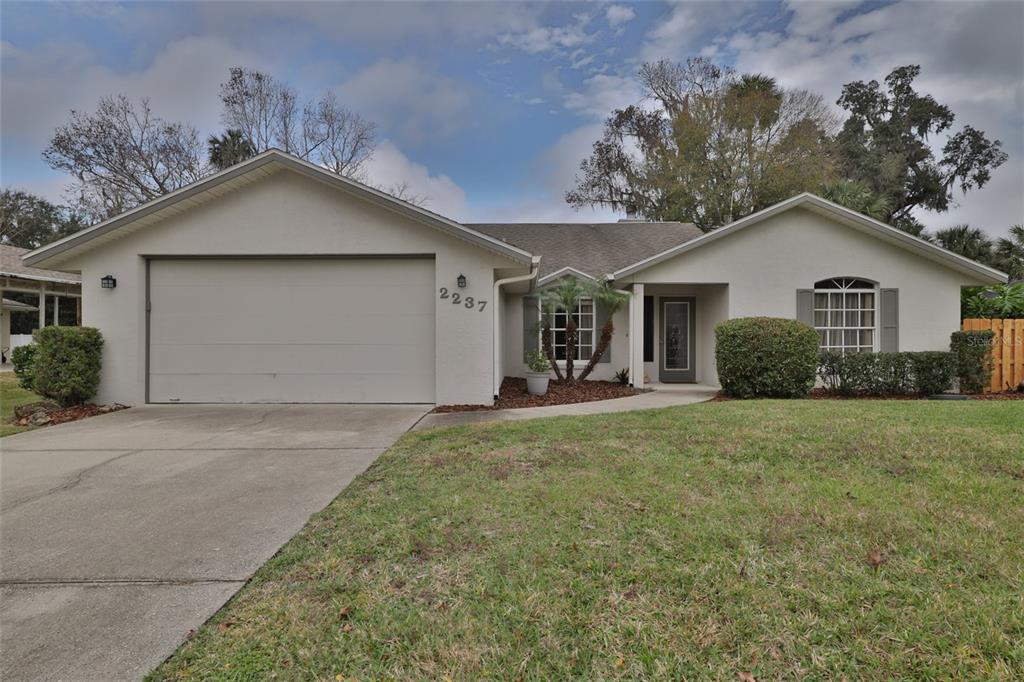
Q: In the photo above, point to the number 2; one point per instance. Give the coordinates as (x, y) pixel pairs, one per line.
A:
(444, 292)
(456, 299)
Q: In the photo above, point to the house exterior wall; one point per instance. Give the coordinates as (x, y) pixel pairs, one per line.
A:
(767, 262)
(287, 214)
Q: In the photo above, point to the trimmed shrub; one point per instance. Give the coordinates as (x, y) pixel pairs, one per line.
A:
(882, 374)
(933, 371)
(766, 357)
(973, 357)
(24, 358)
(67, 363)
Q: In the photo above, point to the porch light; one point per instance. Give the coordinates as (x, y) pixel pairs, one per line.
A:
(108, 282)
(461, 281)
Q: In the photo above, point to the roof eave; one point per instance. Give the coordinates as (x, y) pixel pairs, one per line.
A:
(926, 249)
(274, 156)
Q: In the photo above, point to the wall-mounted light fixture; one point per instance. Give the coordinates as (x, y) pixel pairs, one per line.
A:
(108, 282)
(461, 280)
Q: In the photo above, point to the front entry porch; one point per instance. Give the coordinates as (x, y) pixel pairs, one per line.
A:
(672, 332)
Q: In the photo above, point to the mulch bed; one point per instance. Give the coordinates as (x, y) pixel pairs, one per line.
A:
(513, 394)
(826, 394)
(48, 414)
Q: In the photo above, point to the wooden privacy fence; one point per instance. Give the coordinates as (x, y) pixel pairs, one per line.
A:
(1007, 351)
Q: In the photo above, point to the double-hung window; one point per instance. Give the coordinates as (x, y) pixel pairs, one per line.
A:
(584, 318)
(845, 314)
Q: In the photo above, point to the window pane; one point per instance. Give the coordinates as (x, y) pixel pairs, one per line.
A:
(586, 307)
(851, 318)
(852, 301)
(586, 338)
(835, 301)
(820, 318)
(586, 321)
(584, 352)
(820, 301)
(559, 352)
(836, 319)
(867, 301)
(867, 337)
(823, 338)
(851, 338)
(867, 319)
(559, 338)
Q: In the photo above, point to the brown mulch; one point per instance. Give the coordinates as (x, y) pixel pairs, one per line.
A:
(826, 394)
(48, 414)
(513, 394)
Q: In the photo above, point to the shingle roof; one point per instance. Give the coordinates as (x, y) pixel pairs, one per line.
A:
(596, 249)
(10, 264)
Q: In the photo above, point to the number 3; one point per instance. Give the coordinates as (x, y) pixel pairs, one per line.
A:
(470, 303)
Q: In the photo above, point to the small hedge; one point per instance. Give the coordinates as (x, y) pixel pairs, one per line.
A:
(972, 354)
(24, 359)
(766, 357)
(886, 374)
(67, 363)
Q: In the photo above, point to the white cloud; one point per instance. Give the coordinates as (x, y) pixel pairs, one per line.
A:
(617, 15)
(540, 38)
(602, 93)
(389, 168)
(409, 97)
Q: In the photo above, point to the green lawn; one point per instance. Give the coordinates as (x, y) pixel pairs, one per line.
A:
(11, 396)
(695, 542)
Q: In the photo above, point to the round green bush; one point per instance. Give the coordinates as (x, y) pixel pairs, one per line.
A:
(766, 357)
(67, 363)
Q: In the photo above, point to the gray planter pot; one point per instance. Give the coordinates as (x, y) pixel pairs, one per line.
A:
(537, 383)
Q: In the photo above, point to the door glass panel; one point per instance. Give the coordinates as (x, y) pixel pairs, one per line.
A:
(677, 335)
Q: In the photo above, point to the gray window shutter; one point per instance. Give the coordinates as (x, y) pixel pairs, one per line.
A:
(599, 322)
(531, 320)
(805, 306)
(890, 310)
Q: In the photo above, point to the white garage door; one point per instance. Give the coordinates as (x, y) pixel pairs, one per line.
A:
(345, 330)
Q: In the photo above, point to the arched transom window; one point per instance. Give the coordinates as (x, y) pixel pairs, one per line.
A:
(845, 314)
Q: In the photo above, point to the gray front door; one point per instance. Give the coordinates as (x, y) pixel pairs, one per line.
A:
(678, 349)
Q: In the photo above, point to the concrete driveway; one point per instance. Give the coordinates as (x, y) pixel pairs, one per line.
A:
(121, 533)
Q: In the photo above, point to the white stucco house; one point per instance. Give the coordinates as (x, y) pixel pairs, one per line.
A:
(277, 281)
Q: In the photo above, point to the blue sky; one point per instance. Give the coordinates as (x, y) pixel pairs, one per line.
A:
(487, 108)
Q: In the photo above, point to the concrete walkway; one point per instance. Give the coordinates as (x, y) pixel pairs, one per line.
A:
(662, 395)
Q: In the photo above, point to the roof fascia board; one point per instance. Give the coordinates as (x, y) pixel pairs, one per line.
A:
(922, 247)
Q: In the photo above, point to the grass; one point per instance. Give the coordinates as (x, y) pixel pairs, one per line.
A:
(11, 396)
(803, 539)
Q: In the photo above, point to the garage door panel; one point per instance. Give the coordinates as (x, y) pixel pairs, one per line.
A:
(291, 330)
(214, 299)
(290, 326)
(296, 388)
(291, 359)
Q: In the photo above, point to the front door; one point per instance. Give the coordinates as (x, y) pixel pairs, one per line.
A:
(678, 349)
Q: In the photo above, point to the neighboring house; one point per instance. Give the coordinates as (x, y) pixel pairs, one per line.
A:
(277, 281)
(33, 298)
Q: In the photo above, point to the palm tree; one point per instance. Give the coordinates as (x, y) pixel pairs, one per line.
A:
(1009, 253)
(564, 297)
(857, 196)
(969, 242)
(230, 148)
(611, 300)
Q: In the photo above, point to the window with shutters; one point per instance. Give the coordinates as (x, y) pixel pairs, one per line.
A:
(846, 314)
(585, 321)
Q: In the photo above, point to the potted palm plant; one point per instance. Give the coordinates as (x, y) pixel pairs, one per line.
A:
(537, 366)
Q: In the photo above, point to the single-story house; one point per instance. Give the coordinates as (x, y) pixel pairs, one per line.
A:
(41, 297)
(278, 281)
